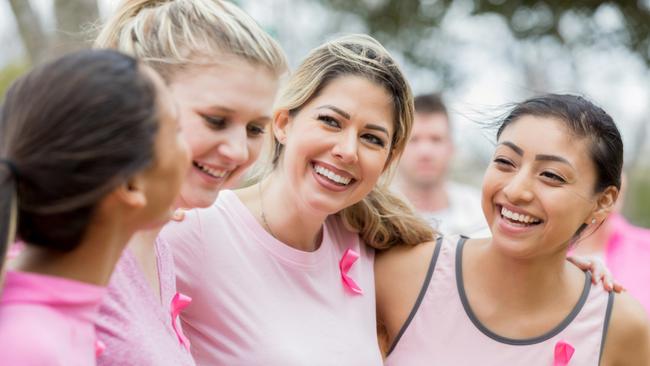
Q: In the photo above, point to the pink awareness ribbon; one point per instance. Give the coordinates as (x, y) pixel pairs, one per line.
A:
(563, 353)
(180, 302)
(348, 259)
(100, 347)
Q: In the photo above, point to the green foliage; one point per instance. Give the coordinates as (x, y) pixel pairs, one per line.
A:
(10, 73)
(404, 24)
(637, 204)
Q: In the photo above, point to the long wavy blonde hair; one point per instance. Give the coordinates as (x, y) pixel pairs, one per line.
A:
(382, 219)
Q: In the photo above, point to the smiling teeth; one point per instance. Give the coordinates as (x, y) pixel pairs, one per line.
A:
(213, 172)
(519, 217)
(331, 175)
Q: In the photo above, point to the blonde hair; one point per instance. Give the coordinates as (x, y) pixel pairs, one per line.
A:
(171, 34)
(382, 219)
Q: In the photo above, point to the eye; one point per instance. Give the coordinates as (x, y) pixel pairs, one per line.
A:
(373, 139)
(503, 162)
(554, 177)
(254, 130)
(329, 121)
(218, 123)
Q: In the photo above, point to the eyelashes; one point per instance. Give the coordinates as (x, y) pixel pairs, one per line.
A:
(334, 123)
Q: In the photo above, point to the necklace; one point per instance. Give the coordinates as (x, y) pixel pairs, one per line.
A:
(266, 223)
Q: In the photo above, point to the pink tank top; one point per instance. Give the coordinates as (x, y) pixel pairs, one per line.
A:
(258, 301)
(443, 330)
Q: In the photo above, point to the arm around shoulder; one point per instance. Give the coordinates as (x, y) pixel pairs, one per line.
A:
(628, 337)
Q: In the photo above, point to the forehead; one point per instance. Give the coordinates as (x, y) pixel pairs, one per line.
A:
(549, 136)
(358, 96)
(232, 83)
(431, 124)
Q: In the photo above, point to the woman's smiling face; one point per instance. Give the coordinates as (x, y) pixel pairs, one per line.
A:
(224, 111)
(337, 145)
(539, 188)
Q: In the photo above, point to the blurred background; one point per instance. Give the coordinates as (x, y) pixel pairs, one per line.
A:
(480, 54)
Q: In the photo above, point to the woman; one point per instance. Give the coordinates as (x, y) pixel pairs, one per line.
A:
(223, 70)
(513, 298)
(279, 272)
(90, 153)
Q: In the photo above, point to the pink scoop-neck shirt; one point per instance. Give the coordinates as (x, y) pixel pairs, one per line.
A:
(47, 320)
(133, 323)
(258, 301)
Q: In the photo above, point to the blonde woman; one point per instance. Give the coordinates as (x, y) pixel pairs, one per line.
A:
(223, 71)
(279, 272)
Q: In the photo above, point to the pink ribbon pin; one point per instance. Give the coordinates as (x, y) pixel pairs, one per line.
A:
(563, 353)
(100, 347)
(348, 259)
(180, 302)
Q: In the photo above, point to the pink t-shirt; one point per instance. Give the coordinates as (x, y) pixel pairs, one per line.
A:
(258, 301)
(627, 255)
(442, 328)
(136, 326)
(47, 321)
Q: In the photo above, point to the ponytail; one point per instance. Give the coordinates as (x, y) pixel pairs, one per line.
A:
(383, 220)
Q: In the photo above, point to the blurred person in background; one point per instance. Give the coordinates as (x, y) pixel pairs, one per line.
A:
(449, 207)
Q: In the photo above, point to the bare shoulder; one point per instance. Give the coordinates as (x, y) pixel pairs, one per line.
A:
(628, 336)
(399, 275)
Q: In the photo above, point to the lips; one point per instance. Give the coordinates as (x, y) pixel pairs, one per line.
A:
(333, 174)
(211, 171)
(518, 217)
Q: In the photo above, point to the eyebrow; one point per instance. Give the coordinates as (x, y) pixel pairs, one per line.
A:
(335, 109)
(346, 115)
(552, 158)
(514, 147)
(542, 157)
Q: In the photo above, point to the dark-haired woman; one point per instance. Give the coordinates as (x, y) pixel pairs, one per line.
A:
(513, 299)
(90, 153)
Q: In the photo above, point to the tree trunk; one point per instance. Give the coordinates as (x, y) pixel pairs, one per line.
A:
(31, 30)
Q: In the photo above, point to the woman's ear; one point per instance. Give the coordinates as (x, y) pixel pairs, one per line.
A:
(281, 124)
(132, 192)
(604, 204)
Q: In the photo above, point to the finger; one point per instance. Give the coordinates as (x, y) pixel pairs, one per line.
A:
(580, 263)
(178, 215)
(618, 288)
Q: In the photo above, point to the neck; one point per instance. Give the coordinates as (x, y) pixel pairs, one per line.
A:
(289, 222)
(92, 261)
(426, 198)
(142, 243)
(594, 243)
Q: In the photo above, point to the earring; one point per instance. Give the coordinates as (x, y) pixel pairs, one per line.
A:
(593, 221)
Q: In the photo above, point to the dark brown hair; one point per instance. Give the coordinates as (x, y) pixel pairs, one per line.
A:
(73, 130)
(585, 120)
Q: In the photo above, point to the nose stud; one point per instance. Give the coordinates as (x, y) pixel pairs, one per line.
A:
(593, 221)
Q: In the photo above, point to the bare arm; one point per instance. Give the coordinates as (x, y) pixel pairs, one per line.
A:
(628, 337)
(399, 275)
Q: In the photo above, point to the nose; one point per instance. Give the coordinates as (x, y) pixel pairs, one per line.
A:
(346, 147)
(234, 146)
(518, 189)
